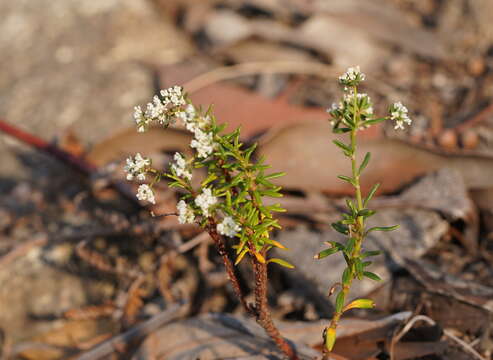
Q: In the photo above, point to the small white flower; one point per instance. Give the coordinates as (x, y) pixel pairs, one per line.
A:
(157, 111)
(366, 105)
(188, 115)
(205, 200)
(185, 213)
(203, 143)
(228, 227)
(399, 114)
(145, 193)
(352, 76)
(136, 167)
(180, 167)
(140, 119)
(173, 96)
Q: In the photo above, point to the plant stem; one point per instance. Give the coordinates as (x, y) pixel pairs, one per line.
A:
(356, 231)
(221, 249)
(262, 311)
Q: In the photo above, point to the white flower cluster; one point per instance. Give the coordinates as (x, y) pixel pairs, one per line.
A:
(203, 143)
(228, 227)
(364, 102)
(145, 193)
(198, 125)
(159, 110)
(136, 167)
(399, 114)
(352, 76)
(205, 200)
(173, 96)
(185, 213)
(180, 167)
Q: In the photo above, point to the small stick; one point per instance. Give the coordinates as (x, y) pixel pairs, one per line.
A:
(197, 240)
(104, 349)
(75, 162)
(221, 249)
(431, 322)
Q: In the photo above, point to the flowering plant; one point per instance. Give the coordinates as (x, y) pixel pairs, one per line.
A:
(354, 113)
(228, 202)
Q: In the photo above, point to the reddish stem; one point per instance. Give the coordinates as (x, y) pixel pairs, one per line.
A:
(75, 162)
(263, 315)
(221, 249)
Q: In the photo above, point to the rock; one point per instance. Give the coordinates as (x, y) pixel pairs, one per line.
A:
(419, 231)
(32, 288)
(214, 336)
(79, 64)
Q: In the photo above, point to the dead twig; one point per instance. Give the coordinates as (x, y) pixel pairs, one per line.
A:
(100, 262)
(90, 312)
(75, 162)
(260, 67)
(23, 249)
(468, 348)
(134, 302)
(476, 119)
(197, 240)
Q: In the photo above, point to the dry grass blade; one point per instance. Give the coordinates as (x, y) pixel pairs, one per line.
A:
(90, 312)
(134, 302)
(100, 262)
(468, 348)
(164, 276)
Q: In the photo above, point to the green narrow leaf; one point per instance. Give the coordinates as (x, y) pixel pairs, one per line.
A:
(364, 163)
(346, 276)
(360, 304)
(343, 229)
(373, 121)
(359, 268)
(372, 276)
(274, 175)
(281, 262)
(271, 193)
(339, 301)
(351, 207)
(366, 212)
(341, 130)
(347, 178)
(382, 228)
(370, 253)
(350, 245)
(324, 253)
(241, 255)
(344, 147)
(370, 194)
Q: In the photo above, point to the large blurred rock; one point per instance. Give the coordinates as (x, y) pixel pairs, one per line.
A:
(419, 231)
(82, 64)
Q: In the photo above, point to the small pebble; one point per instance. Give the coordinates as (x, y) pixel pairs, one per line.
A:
(476, 66)
(448, 139)
(469, 139)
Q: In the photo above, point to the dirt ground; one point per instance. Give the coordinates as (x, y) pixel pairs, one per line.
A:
(86, 272)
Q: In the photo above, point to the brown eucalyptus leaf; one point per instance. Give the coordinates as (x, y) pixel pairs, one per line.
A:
(129, 142)
(312, 162)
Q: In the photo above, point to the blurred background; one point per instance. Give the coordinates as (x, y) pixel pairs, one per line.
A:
(87, 271)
